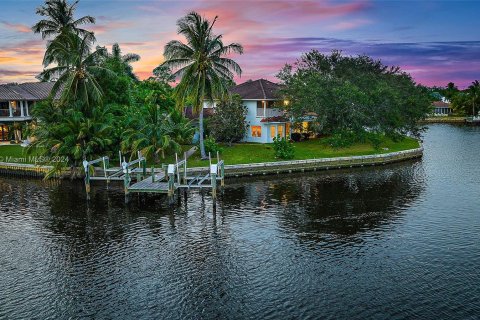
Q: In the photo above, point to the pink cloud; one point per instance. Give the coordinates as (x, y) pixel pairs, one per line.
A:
(17, 27)
(347, 25)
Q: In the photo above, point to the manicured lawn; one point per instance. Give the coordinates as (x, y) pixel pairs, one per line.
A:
(15, 154)
(252, 152)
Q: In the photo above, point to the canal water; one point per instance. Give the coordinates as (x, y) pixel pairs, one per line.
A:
(395, 242)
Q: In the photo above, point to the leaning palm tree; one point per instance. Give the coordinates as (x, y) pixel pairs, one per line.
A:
(59, 19)
(75, 71)
(121, 63)
(201, 64)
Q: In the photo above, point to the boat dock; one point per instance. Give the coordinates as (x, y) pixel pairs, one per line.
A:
(166, 180)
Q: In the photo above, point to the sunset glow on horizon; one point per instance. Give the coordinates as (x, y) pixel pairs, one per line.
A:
(435, 41)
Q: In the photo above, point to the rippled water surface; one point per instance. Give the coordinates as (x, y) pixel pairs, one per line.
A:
(394, 242)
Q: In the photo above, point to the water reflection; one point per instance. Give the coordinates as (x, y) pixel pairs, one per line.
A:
(337, 202)
(381, 242)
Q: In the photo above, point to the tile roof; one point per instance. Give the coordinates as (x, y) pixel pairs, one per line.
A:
(260, 89)
(26, 91)
(441, 104)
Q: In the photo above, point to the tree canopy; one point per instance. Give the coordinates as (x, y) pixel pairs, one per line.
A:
(201, 63)
(346, 94)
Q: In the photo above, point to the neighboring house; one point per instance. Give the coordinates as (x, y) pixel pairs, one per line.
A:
(266, 117)
(16, 102)
(442, 108)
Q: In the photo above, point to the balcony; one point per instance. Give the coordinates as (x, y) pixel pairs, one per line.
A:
(12, 111)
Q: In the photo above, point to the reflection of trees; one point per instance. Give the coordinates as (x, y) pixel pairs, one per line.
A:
(344, 202)
(116, 258)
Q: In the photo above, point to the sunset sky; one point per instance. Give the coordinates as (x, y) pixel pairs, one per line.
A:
(436, 41)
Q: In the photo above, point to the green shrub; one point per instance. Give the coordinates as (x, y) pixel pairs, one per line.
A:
(211, 146)
(341, 139)
(284, 148)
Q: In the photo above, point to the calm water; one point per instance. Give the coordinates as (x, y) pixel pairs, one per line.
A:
(396, 242)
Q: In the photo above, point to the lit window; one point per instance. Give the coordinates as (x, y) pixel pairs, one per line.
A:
(257, 131)
(287, 129)
(273, 133)
(280, 131)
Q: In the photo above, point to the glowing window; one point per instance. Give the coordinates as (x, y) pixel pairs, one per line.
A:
(256, 131)
(273, 132)
(280, 131)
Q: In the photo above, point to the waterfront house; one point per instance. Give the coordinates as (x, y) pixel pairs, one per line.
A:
(266, 116)
(16, 102)
(442, 108)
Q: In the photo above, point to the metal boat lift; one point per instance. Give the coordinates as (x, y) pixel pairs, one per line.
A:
(166, 180)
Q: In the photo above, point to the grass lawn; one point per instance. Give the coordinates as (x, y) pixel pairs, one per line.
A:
(242, 153)
(15, 153)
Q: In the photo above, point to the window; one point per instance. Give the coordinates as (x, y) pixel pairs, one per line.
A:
(261, 109)
(280, 131)
(3, 132)
(273, 132)
(256, 131)
(287, 129)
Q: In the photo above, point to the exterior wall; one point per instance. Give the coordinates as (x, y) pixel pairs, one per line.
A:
(442, 111)
(266, 128)
(253, 120)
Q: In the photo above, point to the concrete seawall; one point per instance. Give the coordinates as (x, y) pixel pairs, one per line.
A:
(278, 167)
(251, 169)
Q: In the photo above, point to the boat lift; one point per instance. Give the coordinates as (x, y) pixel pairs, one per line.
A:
(166, 180)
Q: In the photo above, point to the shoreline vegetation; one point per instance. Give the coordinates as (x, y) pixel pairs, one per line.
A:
(15, 156)
(99, 106)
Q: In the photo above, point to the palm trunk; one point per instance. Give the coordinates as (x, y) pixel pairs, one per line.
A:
(200, 129)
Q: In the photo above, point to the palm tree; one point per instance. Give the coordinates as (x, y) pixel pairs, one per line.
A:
(201, 64)
(474, 91)
(156, 131)
(59, 19)
(75, 71)
(121, 63)
(69, 136)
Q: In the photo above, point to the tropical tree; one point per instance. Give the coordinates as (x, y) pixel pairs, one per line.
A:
(202, 65)
(474, 93)
(355, 97)
(68, 136)
(228, 123)
(163, 74)
(117, 90)
(76, 70)
(156, 132)
(59, 19)
(121, 63)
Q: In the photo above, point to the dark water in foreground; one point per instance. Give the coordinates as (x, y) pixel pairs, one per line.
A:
(396, 242)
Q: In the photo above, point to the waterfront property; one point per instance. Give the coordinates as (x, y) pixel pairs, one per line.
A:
(442, 108)
(266, 116)
(17, 101)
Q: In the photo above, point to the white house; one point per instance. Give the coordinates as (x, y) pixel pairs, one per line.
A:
(266, 117)
(16, 102)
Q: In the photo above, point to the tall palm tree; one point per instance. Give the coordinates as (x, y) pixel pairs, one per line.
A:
(202, 65)
(59, 19)
(474, 91)
(121, 63)
(75, 71)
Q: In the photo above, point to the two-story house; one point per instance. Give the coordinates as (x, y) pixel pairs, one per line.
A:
(16, 102)
(265, 115)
